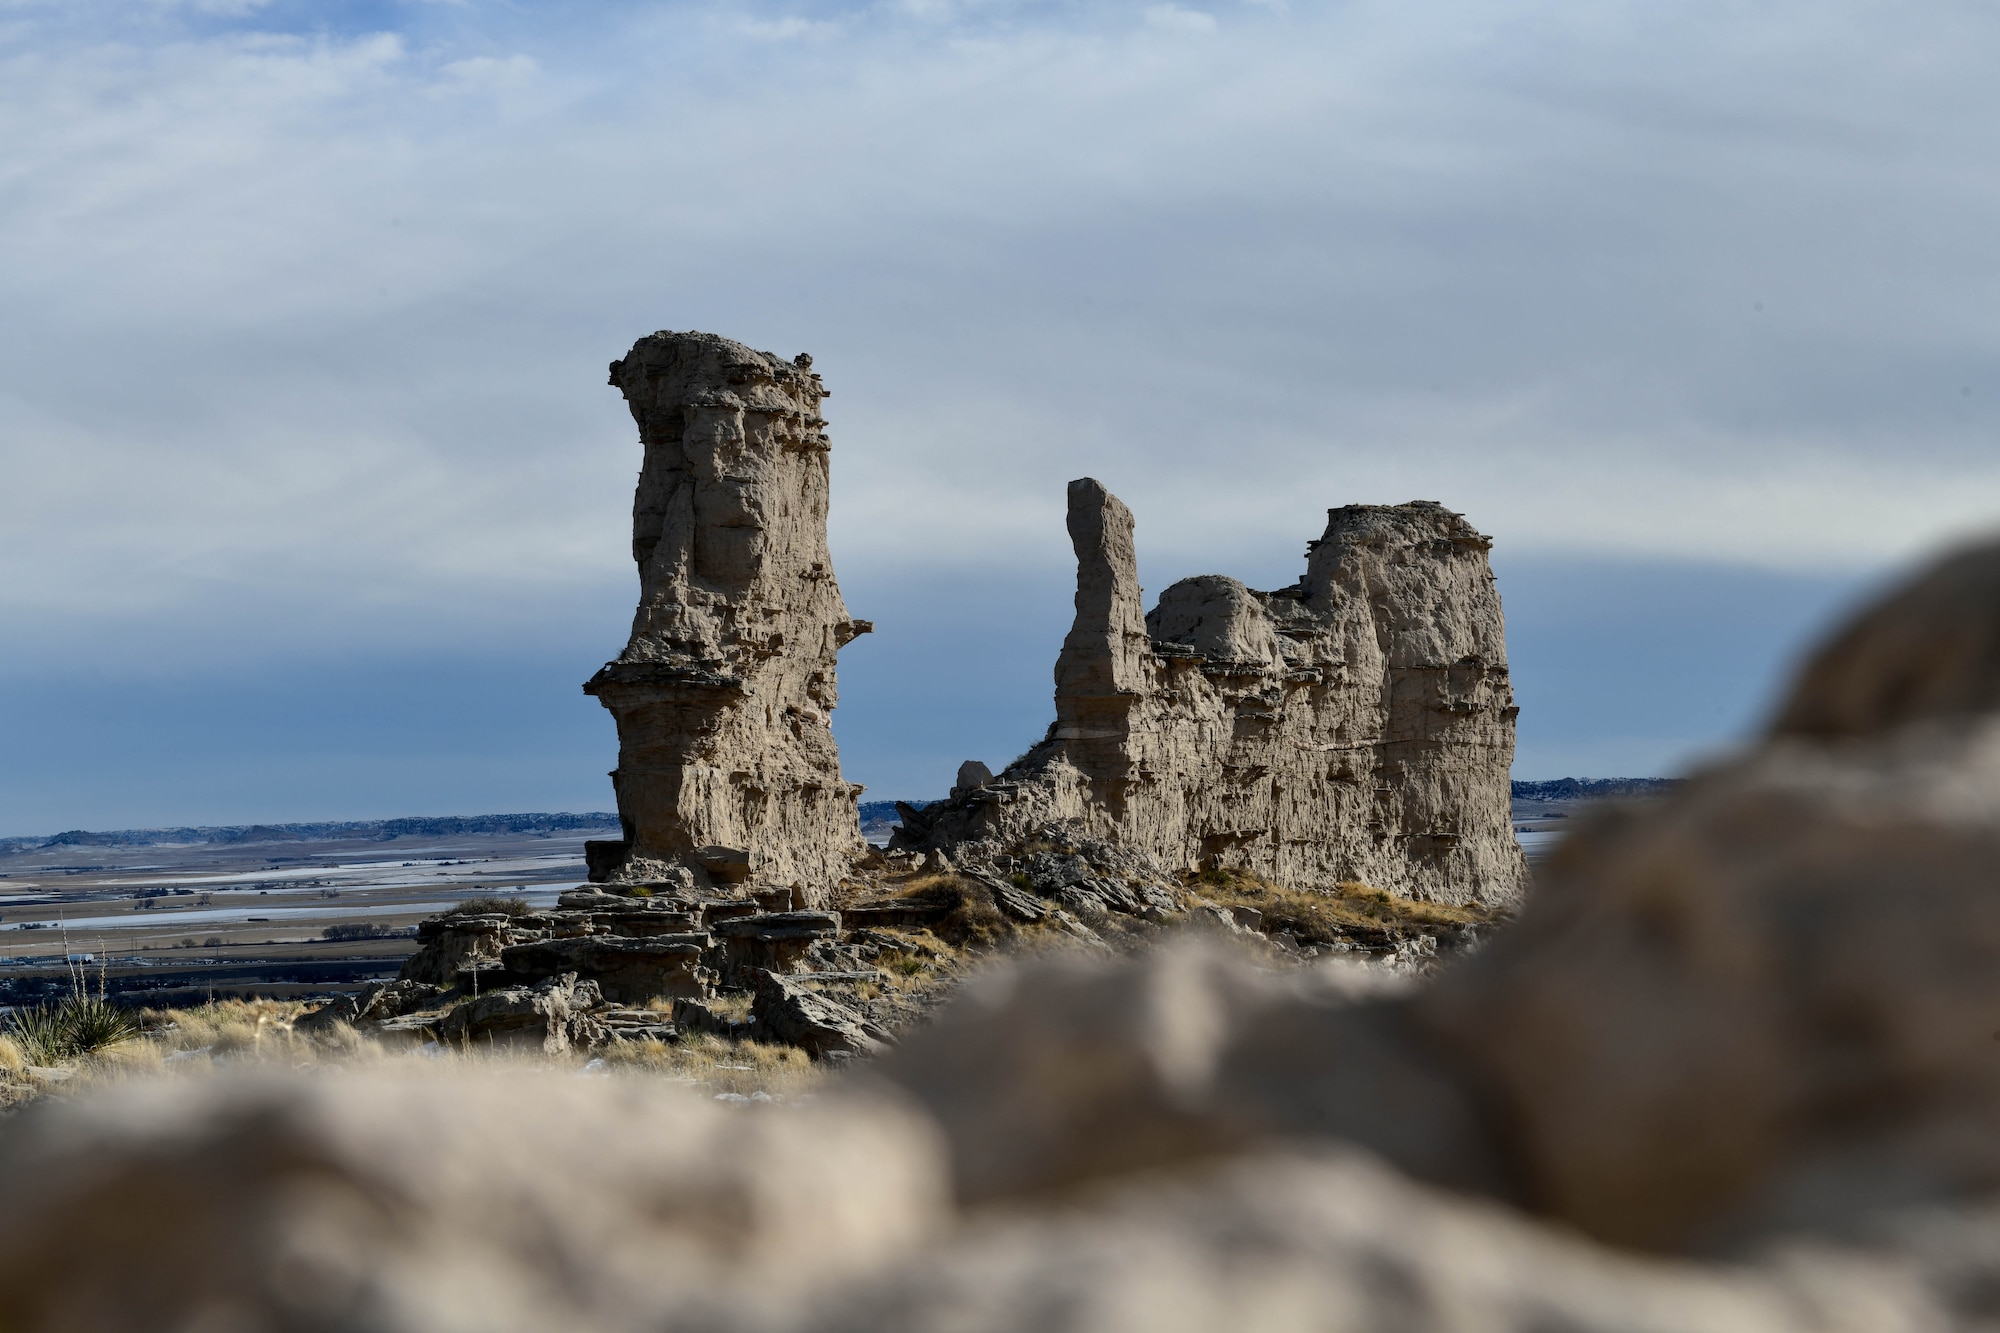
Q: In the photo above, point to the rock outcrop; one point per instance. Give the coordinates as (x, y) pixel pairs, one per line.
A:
(727, 769)
(1356, 726)
(551, 1018)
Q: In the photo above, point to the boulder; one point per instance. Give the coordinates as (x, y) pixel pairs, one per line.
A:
(1053, 1073)
(787, 1012)
(552, 1018)
(627, 971)
(771, 941)
(698, 1016)
(381, 1000)
(1016, 902)
(327, 1020)
(1326, 1241)
(1926, 651)
(1765, 1000)
(895, 914)
(445, 1199)
(451, 944)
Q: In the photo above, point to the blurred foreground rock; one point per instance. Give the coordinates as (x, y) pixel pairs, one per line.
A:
(428, 1200)
(1736, 1068)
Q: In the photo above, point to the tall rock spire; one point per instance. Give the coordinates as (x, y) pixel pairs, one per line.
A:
(727, 768)
(1105, 653)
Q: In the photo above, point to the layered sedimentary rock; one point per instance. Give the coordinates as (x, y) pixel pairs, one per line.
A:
(1358, 725)
(727, 769)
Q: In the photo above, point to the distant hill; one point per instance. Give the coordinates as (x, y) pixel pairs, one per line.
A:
(1592, 789)
(366, 830)
(881, 814)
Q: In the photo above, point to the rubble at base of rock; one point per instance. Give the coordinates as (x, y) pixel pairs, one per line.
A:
(649, 962)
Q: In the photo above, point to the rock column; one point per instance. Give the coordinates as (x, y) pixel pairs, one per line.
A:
(728, 774)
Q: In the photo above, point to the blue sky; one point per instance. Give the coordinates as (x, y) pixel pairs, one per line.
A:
(316, 502)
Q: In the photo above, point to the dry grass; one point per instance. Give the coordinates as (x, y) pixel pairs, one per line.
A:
(489, 905)
(922, 887)
(739, 1068)
(225, 1026)
(1351, 910)
(12, 1063)
(180, 1042)
(971, 920)
(918, 962)
(731, 1006)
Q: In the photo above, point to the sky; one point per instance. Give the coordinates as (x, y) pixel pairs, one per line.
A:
(316, 504)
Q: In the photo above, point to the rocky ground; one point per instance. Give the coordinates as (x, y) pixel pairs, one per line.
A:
(649, 966)
(752, 999)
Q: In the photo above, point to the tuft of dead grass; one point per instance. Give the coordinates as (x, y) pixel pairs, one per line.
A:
(12, 1063)
(741, 1068)
(1351, 910)
(491, 905)
(226, 1026)
(971, 920)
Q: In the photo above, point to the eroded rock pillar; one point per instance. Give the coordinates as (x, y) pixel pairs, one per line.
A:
(728, 774)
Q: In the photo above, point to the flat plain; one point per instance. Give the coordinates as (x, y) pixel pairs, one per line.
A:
(166, 922)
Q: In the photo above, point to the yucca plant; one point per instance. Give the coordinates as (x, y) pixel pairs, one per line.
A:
(80, 1025)
(41, 1034)
(95, 1023)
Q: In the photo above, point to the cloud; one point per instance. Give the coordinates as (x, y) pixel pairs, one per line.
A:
(1178, 19)
(790, 28)
(309, 308)
(484, 74)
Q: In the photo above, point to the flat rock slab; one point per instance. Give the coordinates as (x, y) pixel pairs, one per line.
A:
(630, 971)
(779, 926)
(894, 915)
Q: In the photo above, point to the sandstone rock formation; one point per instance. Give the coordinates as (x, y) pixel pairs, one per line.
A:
(1356, 726)
(615, 950)
(727, 769)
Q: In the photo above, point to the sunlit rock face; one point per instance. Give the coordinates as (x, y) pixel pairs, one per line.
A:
(727, 768)
(1358, 725)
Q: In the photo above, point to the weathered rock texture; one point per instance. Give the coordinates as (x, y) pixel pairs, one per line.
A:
(1358, 725)
(727, 768)
(477, 1203)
